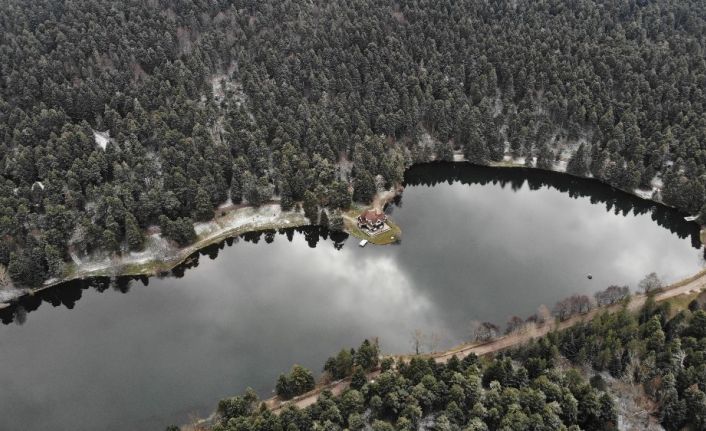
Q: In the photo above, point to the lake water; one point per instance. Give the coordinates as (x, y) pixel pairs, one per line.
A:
(478, 244)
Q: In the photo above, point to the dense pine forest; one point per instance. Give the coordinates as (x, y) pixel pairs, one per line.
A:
(469, 394)
(539, 386)
(325, 101)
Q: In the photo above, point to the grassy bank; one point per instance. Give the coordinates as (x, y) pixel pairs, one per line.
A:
(392, 236)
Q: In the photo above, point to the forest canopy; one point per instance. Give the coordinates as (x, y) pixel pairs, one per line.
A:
(118, 116)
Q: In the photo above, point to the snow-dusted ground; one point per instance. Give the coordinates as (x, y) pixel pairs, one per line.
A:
(222, 83)
(102, 138)
(227, 204)
(515, 160)
(654, 192)
(345, 167)
(645, 194)
(10, 294)
(560, 166)
(633, 406)
(158, 249)
(426, 140)
(250, 219)
(166, 254)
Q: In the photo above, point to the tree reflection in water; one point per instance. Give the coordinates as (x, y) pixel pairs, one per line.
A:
(614, 201)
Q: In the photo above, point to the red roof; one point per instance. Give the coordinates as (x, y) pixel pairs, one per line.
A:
(373, 216)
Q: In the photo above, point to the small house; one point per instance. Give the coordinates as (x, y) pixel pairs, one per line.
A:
(372, 220)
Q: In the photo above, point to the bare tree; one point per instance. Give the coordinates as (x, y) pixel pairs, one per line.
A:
(418, 339)
(562, 309)
(581, 304)
(543, 314)
(574, 304)
(650, 283)
(433, 342)
(514, 324)
(612, 295)
(485, 331)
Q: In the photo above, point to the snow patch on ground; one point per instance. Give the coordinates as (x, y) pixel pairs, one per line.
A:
(515, 160)
(426, 140)
(99, 264)
(202, 228)
(227, 204)
(497, 105)
(102, 138)
(655, 192)
(567, 149)
(222, 84)
(657, 182)
(249, 219)
(645, 194)
(345, 168)
(632, 404)
(7, 295)
(156, 247)
(560, 166)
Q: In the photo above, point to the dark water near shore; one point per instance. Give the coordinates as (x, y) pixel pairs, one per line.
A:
(478, 244)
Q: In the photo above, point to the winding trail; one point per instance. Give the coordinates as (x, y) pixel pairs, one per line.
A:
(692, 284)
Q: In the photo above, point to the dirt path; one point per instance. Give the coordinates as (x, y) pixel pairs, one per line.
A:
(305, 400)
(689, 285)
(692, 284)
(383, 198)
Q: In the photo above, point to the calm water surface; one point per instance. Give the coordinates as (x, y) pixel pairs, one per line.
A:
(478, 244)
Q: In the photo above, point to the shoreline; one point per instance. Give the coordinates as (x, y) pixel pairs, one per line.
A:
(214, 232)
(231, 223)
(685, 286)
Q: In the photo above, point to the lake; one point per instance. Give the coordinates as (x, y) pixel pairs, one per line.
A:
(478, 244)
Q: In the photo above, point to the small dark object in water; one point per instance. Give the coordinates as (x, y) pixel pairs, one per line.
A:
(590, 277)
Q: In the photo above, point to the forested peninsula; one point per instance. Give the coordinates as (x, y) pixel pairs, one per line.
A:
(121, 119)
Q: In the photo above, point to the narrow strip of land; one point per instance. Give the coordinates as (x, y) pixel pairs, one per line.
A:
(164, 256)
(686, 286)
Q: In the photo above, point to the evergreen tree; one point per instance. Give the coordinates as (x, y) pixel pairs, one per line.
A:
(358, 380)
(310, 207)
(203, 211)
(336, 223)
(578, 165)
(545, 158)
(133, 234)
(323, 219)
(364, 188)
